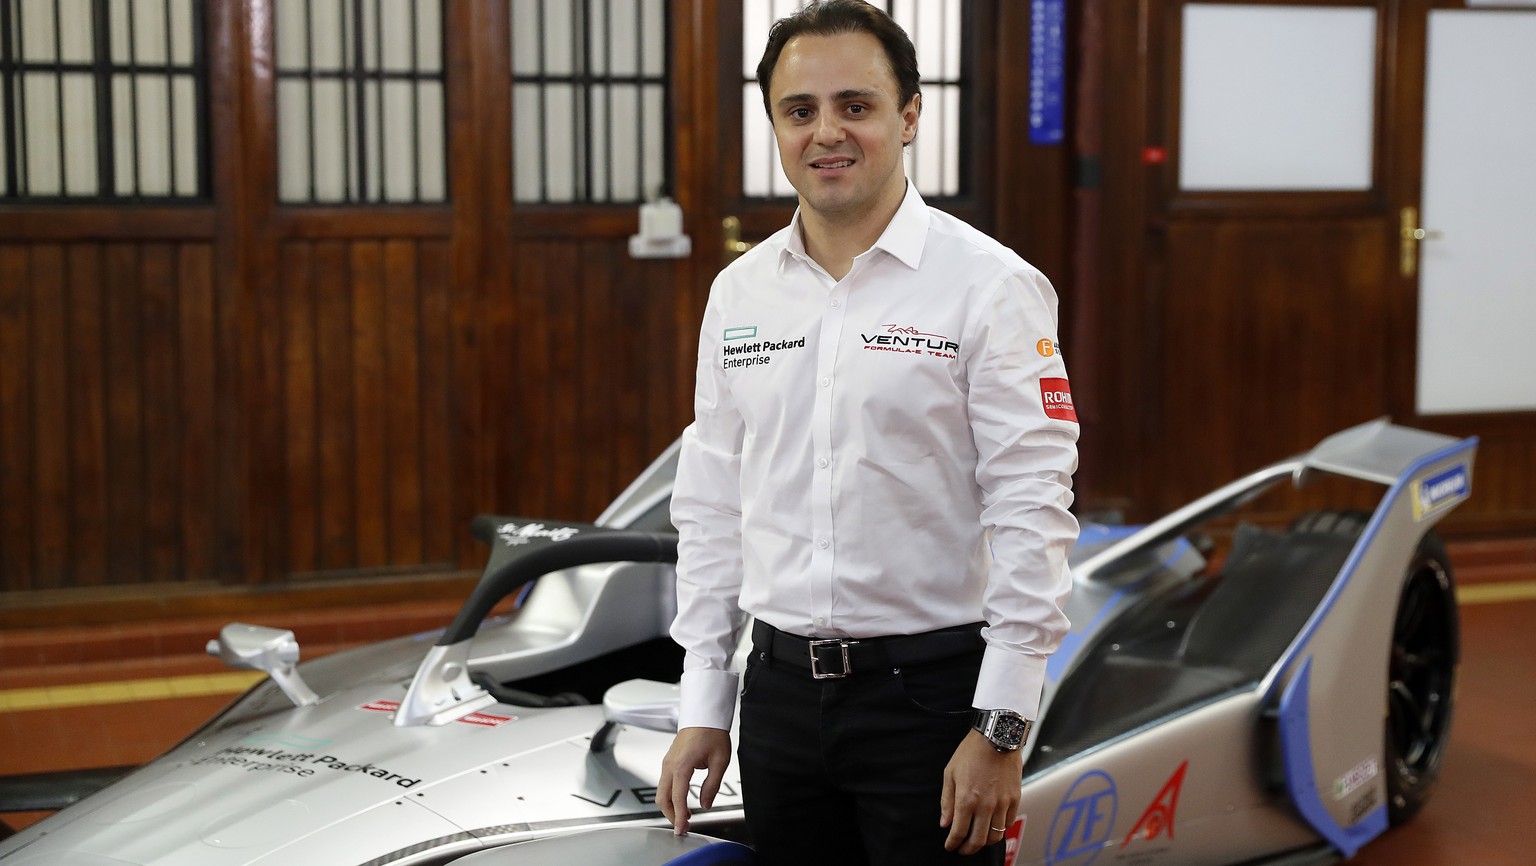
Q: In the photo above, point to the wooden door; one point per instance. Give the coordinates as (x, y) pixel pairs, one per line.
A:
(1246, 323)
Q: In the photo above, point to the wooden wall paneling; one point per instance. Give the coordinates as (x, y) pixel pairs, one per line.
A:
(404, 409)
(232, 27)
(50, 417)
(442, 391)
(482, 371)
(1109, 342)
(125, 413)
(667, 398)
(335, 412)
(1274, 339)
(518, 372)
(602, 340)
(562, 395)
(87, 433)
(263, 483)
(701, 94)
(16, 544)
(370, 397)
(198, 402)
(1029, 183)
(163, 436)
(643, 296)
(301, 405)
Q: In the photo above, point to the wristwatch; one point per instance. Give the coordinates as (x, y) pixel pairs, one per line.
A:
(1006, 730)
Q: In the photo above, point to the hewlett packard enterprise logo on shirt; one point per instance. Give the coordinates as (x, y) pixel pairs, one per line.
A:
(755, 353)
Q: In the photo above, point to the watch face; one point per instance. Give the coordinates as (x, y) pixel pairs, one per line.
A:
(1009, 729)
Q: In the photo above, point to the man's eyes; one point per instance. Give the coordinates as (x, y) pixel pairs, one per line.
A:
(856, 109)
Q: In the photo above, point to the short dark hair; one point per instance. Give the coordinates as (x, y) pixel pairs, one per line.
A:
(835, 17)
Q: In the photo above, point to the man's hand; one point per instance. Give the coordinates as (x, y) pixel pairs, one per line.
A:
(697, 749)
(981, 791)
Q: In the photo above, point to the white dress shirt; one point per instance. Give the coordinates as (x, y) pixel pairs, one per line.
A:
(889, 453)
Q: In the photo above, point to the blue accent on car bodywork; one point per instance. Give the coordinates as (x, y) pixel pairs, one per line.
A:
(718, 852)
(1296, 740)
(1099, 533)
(1295, 735)
(1367, 537)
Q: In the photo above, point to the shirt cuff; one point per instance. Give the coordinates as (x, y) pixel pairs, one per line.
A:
(1009, 681)
(708, 699)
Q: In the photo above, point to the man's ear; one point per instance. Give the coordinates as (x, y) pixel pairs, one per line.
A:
(909, 116)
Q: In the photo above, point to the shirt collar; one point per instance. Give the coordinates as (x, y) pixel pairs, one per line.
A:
(903, 238)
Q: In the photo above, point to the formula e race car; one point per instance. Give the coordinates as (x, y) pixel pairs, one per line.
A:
(1284, 706)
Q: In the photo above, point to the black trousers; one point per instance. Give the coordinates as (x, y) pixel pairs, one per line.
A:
(850, 771)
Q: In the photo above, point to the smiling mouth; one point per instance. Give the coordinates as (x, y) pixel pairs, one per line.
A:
(841, 163)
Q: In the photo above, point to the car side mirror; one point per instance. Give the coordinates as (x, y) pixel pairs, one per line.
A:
(274, 651)
(644, 704)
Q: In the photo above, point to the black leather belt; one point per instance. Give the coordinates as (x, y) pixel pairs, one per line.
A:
(836, 658)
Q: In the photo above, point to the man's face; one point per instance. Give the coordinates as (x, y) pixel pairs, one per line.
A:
(839, 126)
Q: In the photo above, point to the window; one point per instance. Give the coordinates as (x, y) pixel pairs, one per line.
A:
(937, 29)
(590, 101)
(100, 100)
(360, 102)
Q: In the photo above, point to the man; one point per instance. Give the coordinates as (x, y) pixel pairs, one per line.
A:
(879, 466)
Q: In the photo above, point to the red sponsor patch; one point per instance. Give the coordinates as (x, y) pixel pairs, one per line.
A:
(1056, 394)
(381, 706)
(486, 720)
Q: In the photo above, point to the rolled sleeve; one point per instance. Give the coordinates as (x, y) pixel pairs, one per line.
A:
(706, 509)
(1026, 454)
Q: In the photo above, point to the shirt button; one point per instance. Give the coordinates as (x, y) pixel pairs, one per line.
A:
(822, 463)
(836, 303)
(826, 381)
(821, 620)
(823, 544)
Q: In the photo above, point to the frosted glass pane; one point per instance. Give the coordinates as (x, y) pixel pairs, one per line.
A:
(154, 136)
(1277, 97)
(76, 36)
(80, 135)
(45, 176)
(434, 158)
(399, 147)
(1477, 275)
(527, 150)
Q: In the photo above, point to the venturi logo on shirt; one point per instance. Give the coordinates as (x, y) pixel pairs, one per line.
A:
(906, 339)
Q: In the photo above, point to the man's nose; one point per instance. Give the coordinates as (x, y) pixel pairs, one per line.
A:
(829, 129)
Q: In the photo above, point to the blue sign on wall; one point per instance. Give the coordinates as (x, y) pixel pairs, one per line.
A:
(1047, 70)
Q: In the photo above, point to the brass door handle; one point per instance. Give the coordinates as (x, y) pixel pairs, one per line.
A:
(734, 245)
(1409, 234)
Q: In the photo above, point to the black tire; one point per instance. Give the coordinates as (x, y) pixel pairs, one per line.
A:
(1421, 679)
(1421, 684)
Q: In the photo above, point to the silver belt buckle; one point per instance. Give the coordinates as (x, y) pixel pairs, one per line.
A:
(816, 672)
